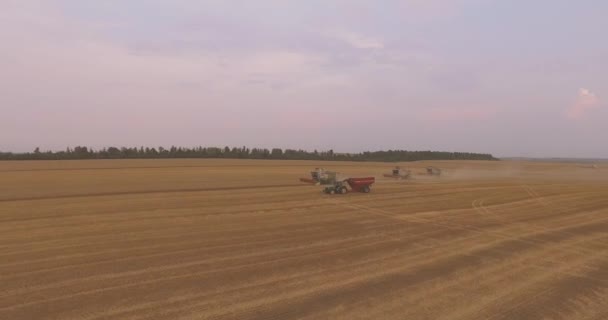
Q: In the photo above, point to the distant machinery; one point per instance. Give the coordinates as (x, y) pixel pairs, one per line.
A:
(433, 171)
(399, 174)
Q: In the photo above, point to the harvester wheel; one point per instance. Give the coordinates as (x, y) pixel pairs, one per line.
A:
(343, 190)
(332, 191)
(365, 189)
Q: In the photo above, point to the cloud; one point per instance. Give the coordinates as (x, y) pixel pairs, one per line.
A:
(458, 114)
(56, 69)
(356, 40)
(218, 72)
(585, 102)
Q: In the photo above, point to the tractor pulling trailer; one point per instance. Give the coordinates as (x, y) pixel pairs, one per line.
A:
(355, 184)
(333, 185)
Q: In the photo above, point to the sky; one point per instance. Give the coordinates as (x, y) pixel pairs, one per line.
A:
(511, 78)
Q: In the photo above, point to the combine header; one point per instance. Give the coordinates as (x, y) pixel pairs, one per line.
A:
(355, 184)
(399, 174)
(320, 176)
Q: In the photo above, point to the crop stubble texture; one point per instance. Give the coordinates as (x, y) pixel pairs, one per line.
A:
(205, 239)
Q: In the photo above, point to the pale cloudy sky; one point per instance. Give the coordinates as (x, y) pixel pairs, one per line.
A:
(513, 78)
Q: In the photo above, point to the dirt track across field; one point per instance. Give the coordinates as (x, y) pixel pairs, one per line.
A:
(241, 239)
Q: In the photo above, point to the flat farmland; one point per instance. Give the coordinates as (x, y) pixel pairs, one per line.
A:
(244, 239)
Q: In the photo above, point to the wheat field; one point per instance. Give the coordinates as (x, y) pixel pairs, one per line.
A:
(243, 239)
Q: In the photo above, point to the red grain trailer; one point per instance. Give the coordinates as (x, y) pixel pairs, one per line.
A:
(355, 184)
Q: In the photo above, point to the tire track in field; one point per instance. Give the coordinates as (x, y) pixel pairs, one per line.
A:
(419, 250)
(412, 258)
(105, 242)
(554, 292)
(115, 234)
(128, 215)
(150, 234)
(533, 238)
(529, 238)
(534, 195)
(543, 289)
(463, 210)
(463, 204)
(519, 291)
(528, 227)
(193, 247)
(495, 275)
(363, 261)
(414, 235)
(128, 193)
(190, 275)
(509, 251)
(153, 231)
(178, 266)
(478, 205)
(388, 280)
(485, 211)
(255, 197)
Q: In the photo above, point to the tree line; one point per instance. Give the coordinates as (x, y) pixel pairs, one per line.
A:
(81, 152)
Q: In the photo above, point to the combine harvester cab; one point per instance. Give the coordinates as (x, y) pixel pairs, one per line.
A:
(355, 184)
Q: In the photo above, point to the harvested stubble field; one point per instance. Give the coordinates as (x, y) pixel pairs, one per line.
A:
(230, 239)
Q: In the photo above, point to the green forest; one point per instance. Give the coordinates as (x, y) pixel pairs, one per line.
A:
(81, 152)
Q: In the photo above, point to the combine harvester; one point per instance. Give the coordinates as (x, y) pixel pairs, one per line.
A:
(399, 174)
(433, 171)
